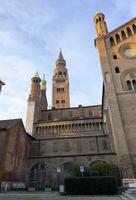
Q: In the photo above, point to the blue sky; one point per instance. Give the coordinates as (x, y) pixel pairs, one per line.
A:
(31, 34)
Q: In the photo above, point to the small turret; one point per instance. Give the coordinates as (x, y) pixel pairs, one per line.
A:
(100, 24)
(34, 105)
(35, 88)
(43, 98)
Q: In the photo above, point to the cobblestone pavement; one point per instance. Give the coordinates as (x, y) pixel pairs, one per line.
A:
(51, 196)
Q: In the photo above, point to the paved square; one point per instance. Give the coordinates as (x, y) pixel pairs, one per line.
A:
(52, 196)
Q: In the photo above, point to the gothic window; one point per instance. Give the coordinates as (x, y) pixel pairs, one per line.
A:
(129, 32)
(100, 19)
(67, 148)
(57, 101)
(90, 114)
(117, 70)
(112, 42)
(134, 28)
(118, 40)
(92, 145)
(55, 147)
(62, 101)
(105, 145)
(123, 35)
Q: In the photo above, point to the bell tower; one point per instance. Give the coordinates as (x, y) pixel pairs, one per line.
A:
(37, 101)
(60, 84)
(100, 24)
(118, 63)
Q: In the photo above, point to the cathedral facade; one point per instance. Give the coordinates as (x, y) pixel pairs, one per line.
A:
(81, 134)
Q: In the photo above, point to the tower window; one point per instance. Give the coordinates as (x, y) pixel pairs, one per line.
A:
(114, 56)
(100, 19)
(60, 73)
(60, 89)
(112, 42)
(129, 32)
(62, 101)
(117, 70)
(57, 101)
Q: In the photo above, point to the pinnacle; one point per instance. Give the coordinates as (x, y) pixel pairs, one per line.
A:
(60, 57)
(36, 75)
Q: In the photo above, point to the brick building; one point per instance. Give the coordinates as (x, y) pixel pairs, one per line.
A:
(82, 134)
(14, 147)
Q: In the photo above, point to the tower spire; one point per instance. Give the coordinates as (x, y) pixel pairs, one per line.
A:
(60, 60)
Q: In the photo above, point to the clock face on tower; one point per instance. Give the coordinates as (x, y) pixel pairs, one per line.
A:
(128, 50)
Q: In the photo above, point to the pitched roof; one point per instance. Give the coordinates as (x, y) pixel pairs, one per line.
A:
(5, 124)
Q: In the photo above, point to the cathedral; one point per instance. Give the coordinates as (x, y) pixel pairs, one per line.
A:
(85, 134)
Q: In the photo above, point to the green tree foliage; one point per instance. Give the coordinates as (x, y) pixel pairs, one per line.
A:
(105, 169)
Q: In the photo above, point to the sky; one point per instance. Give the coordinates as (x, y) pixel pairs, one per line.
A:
(31, 34)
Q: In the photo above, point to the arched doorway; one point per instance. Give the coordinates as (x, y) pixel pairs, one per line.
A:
(37, 176)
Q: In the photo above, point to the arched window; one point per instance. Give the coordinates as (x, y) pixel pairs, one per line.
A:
(100, 19)
(49, 116)
(70, 114)
(37, 176)
(134, 28)
(129, 32)
(115, 56)
(118, 38)
(134, 84)
(123, 35)
(60, 73)
(112, 42)
(117, 70)
(129, 85)
(90, 114)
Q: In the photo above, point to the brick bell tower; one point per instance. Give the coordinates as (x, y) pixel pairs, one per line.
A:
(117, 53)
(60, 84)
(37, 101)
